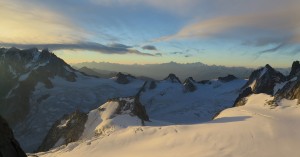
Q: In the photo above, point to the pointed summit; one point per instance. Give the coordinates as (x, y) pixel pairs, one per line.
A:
(189, 84)
(295, 69)
(264, 79)
(173, 78)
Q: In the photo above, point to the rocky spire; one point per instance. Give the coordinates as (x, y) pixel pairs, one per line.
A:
(173, 78)
(189, 84)
(295, 69)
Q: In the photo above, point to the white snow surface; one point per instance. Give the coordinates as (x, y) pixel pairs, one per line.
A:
(255, 129)
(170, 103)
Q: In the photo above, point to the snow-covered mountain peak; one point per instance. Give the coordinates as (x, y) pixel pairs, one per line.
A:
(115, 114)
(269, 81)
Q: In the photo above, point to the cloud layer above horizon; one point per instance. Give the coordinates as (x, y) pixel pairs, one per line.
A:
(204, 30)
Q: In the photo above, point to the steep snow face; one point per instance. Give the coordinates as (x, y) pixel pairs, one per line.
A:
(106, 119)
(250, 130)
(48, 105)
(170, 102)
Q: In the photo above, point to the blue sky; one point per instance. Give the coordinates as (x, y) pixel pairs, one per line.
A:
(231, 33)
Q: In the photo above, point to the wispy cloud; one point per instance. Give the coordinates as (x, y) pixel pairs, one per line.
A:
(149, 47)
(269, 26)
(90, 46)
(158, 54)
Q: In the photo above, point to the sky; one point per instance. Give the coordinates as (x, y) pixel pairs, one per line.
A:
(221, 32)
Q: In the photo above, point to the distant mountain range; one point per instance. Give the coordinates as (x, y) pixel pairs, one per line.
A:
(198, 70)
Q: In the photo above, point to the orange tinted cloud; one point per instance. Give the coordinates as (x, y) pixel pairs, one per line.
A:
(28, 23)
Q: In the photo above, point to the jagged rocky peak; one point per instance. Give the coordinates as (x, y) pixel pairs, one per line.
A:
(173, 78)
(21, 71)
(130, 105)
(20, 62)
(295, 69)
(264, 80)
(123, 78)
(291, 88)
(9, 146)
(227, 78)
(66, 130)
(189, 84)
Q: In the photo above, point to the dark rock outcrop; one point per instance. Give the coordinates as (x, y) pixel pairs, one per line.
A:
(152, 85)
(189, 84)
(204, 82)
(227, 78)
(134, 107)
(9, 146)
(291, 89)
(66, 130)
(294, 70)
(124, 78)
(241, 99)
(173, 78)
(264, 80)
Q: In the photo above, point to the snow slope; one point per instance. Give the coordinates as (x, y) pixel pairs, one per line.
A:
(255, 129)
(104, 120)
(170, 102)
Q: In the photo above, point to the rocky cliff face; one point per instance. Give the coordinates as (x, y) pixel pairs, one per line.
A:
(20, 71)
(131, 105)
(9, 146)
(264, 80)
(66, 130)
(291, 88)
(295, 69)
